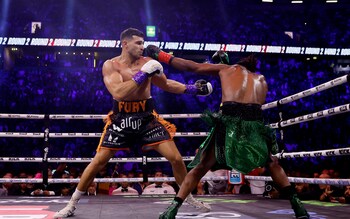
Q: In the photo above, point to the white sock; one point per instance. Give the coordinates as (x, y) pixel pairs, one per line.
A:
(75, 197)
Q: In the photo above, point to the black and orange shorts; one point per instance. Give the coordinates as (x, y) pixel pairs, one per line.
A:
(135, 123)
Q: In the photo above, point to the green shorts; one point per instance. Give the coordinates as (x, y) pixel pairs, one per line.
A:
(241, 139)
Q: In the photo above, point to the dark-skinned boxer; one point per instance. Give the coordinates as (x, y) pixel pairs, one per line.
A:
(239, 139)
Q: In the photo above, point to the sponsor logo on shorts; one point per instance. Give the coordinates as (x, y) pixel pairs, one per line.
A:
(129, 122)
(116, 128)
(111, 139)
(155, 133)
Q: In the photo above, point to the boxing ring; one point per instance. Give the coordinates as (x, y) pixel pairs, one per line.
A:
(223, 206)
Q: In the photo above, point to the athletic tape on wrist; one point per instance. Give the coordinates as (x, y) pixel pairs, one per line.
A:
(139, 77)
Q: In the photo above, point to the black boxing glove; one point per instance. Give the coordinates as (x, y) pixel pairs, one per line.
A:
(200, 88)
(220, 57)
(155, 53)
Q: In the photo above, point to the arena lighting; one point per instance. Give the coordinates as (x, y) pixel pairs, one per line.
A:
(297, 2)
(3, 15)
(69, 14)
(267, 0)
(332, 1)
(149, 18)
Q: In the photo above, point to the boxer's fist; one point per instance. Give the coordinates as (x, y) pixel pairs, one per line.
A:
(155, 53)
(152, 67)
(204, 88)
(149, 69)
(200, 88)
(152, 51)
(220, 57)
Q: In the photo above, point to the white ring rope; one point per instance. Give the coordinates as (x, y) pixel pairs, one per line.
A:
(81, 116)
(342, 182)
(85, 135)
(305, 93)
(326, 153)
(87, 159)
(88, 116)
(22, 134)
(312, 116)
(308, 117)
(308, 92)
(320, 153)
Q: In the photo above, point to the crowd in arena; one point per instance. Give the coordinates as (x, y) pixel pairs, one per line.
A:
(248, 22)
(46, 84)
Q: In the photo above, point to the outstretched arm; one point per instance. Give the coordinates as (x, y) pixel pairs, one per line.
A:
(200, 88)
(184, 64)
(169, 85)
(200, 68)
